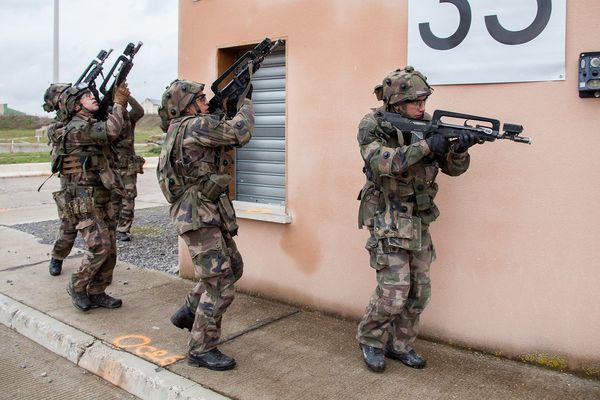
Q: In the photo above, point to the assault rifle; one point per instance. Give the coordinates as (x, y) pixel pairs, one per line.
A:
(93, 70)
(488, 132)
(117, 75)
(240, 79)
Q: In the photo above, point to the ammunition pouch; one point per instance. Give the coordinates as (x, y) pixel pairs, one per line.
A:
(425, 207)
(397, 227)
(62, 199)
(370, 199)
(83, 201)
(227, 214)
(214, 186)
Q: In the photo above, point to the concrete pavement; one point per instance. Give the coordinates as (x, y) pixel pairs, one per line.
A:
(282, 352)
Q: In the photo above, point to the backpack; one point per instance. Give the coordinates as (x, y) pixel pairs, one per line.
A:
(170, 178)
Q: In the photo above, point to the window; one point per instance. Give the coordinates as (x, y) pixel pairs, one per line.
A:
(260, 165)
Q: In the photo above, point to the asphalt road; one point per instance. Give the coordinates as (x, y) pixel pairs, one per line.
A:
(20, 202)
(29, 371)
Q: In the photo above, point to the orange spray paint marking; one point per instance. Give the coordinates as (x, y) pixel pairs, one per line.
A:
(140, 345)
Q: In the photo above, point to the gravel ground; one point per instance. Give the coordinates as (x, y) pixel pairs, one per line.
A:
(153, 242)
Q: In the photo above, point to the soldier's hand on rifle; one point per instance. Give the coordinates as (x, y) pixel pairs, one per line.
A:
(465, 140)
(122, 94)
(438, 144)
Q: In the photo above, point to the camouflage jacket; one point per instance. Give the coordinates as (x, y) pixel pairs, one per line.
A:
(198, 154)
(84, 147)
(397, 199)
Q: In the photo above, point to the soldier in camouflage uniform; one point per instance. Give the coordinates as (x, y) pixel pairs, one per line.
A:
(192, 175)
(87, 179)
(396, 206)
(128, 166)
(66, 234)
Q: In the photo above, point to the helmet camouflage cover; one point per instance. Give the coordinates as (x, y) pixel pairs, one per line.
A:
(51, 97)
(403, 85)
(176, 98)
(69, 98)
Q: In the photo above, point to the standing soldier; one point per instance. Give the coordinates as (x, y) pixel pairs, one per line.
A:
(396, 205)
(192, 175)
(66, 234)
(128, 166)
(87, 179)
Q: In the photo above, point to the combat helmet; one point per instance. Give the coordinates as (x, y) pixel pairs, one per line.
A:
(176, 98)
(51, 97)
(69, 98)
(403, 85)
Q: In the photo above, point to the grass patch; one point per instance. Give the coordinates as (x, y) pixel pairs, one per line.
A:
(21, 158)
(20, 135)
(29, 122)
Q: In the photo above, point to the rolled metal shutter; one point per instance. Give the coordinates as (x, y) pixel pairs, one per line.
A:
(260, 165)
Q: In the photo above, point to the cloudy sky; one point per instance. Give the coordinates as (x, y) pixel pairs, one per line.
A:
(86, 27)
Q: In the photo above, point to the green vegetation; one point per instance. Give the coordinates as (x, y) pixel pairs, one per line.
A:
(20, 158)
(25, 122)
(22, 128)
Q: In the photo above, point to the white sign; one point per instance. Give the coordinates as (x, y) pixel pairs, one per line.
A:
(484, 41)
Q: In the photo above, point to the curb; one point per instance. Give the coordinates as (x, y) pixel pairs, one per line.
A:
(133, 374)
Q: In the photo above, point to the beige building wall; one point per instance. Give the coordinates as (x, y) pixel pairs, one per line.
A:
(518, 267)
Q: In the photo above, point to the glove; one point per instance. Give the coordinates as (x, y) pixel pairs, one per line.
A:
(465, 140)
(438, 144)
(121, 94)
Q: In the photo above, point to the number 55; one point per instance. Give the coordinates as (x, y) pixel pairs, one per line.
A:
(495, 29)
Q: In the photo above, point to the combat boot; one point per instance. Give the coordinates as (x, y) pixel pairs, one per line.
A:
(55, 266)
(373, 357)
(409, 357)
(80, 300)
(212, 359)
(104, 300)
(183, 318)
(123, 236)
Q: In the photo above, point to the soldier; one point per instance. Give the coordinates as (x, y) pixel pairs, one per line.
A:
(192, 175)
(87, 179)
(128, 166)
(66, 234)
(396, 206)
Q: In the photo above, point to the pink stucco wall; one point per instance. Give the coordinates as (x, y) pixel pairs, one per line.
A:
(518, 240)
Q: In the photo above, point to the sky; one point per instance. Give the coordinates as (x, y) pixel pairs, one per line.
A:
(85, 27)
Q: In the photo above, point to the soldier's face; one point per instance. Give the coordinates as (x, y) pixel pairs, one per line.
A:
(202, 103)
(414, 109)
(88, 102)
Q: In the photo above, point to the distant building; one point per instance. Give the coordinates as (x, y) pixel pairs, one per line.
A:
(150, 106)
(5, 110)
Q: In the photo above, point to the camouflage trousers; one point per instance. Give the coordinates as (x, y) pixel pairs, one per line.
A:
(124, 205)
(217, 266)
(98, 232)
(65, 236)
(403, 290)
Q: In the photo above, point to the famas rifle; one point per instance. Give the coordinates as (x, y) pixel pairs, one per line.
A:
(93, 70)
(240, 77)
(117, 75)
(485, 129)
